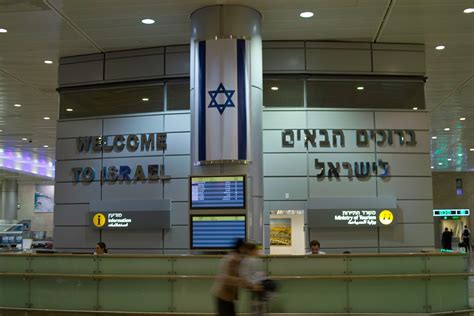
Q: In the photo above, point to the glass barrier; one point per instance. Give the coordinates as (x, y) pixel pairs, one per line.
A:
(182, 284)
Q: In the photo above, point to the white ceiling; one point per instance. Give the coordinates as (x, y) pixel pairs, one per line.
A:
(47, 30)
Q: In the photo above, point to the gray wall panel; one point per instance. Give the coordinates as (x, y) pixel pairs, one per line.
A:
(272, 142)
(283, 119)
(408, 165)
(135, 239)
(132, 190)
(67, 149)
(395, 61)
(64, 169)
(177, 63)
(177, 237)
(277, 188)
(134, 67)
(285, 165)
(402, 120)
(344, 187)
(337, 158)
(178, 144)
(74, 214)
(178, 122)
(75, 237)
(416, 211)
(283, 60)
(422, 146)
(82, 72)
(349, 237)
(177, 190)
(76, 192)
(133, 125)
(79, 128)
(179, 213)
(340, 119)
(407, 188)
(178, 166)
(339, 60)
(407, 235)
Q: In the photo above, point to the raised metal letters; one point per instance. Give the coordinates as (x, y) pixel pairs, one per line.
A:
(334, 170)
(133, 142)
(342, 139)
(325, 142)
(287, 138)
(362, 169)
(401, 136)
(362, 138)
(309, 136)
(319, 165)
(412, 141)
(139, 174)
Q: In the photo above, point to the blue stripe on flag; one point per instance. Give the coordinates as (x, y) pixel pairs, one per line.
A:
(242, 107)
(202, 102)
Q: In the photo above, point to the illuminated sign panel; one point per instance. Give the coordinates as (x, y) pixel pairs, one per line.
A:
(452, 212)
(134, 220)
(352, 218)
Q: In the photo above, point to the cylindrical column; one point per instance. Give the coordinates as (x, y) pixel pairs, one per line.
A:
(227, 22)
(9, 199)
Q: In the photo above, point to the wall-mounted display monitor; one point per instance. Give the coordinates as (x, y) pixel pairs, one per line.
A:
(216, 232)
(220, 192)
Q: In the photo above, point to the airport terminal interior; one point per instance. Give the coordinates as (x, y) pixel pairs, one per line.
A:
(258, 157)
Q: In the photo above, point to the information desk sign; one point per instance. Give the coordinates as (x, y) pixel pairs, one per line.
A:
(129, 220)
(451, 212)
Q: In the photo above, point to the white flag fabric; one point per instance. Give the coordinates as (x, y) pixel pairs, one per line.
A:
(222, 97)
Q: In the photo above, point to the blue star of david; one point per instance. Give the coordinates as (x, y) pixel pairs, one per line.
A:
(221, 106)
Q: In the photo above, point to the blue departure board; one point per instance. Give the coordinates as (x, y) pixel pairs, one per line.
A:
(216, 232)
(217, 192)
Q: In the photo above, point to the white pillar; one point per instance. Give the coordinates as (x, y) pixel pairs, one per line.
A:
(9, 200)
(234, 21)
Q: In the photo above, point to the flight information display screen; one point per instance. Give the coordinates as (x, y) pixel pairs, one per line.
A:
(216, 232)
(217, 192)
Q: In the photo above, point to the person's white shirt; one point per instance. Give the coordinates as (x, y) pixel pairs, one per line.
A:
(319, 253)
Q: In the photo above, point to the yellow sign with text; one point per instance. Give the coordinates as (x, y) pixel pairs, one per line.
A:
(386, 217)
(99, 220)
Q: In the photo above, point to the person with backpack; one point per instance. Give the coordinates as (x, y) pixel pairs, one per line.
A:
(466, 238)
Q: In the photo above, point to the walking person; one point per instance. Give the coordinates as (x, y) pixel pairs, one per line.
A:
(466, 238)
(252, 270)
(445, 238)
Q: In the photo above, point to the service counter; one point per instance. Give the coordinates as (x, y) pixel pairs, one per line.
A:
(354, 283)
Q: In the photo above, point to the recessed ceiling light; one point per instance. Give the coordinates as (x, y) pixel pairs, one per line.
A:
(360, 88)
(432, 167)
(469, 10)
(49, 62)
(145, 99)
(440, 47)
(148, 21)
(462, 118)
(45, 146)
(471, 149)
(459, 155)
(447, 129)
(69, 110)
(1, 130)
(434, 137)
(449, 159)
(17, 105)
(415, 108)
(307, 14)
(24, 139)
(46, 118)
(274, 88)
(440, 163)
(3, 30)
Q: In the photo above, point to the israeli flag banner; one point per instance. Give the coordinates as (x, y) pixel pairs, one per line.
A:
(222, 98)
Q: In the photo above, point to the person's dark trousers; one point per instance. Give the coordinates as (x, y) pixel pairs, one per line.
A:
(225, 308)
(467, 244)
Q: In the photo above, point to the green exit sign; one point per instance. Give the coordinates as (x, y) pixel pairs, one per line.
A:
(452, 212)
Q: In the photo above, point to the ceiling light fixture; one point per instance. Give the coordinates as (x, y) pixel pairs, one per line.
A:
(440, 47)
(45, 146)
(432, 167)
(469, 10)
(415, 109)
(462, 118)
(49, 62)
(3, 30)
(69, 110)
(17, 105)
(274, 88)
(307, 14)
(459, 155)
(24, 139)
(148, 21)
(449, 159)
(360, 88)
(46, 118)
(447, 129)
(440, 163)
(434, 137)
(471, 149)
(1, 130)
(145, 99)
